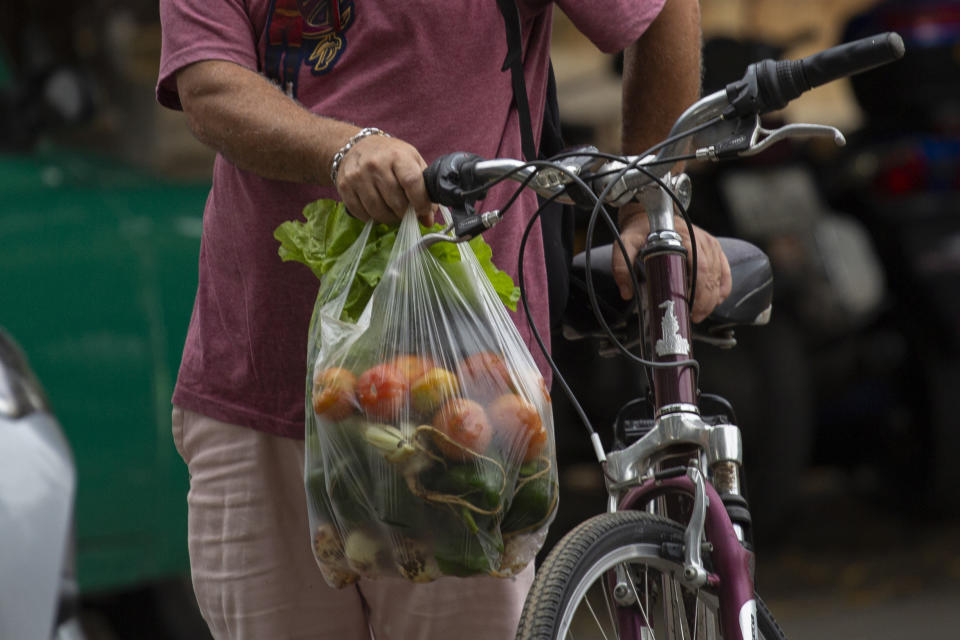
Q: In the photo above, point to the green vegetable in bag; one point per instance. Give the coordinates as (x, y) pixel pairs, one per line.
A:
(328, 231)
(534, 500)
(463, 560)
(393, 502)
(480, 484)
(348, 502)
(466, 544)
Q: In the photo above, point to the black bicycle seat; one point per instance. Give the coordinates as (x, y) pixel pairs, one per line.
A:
(749, 302)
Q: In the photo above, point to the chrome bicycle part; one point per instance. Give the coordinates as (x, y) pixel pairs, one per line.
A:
(694, 574)
(623, 593)
(683, 188)
(624, 467)
(759, 139)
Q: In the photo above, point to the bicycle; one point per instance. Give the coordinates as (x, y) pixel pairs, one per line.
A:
(671, 557)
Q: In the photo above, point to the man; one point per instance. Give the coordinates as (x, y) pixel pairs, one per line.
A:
(279, 88)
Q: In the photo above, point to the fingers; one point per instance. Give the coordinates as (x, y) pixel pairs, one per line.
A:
(381, 177)
(633, 232)
(713, 275)
(410, 179)
(713, 270)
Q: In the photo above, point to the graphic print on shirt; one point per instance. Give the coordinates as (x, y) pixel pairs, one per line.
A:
(305, 32)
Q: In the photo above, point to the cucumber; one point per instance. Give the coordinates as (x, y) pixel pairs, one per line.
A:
(533, 502)
(480, 483)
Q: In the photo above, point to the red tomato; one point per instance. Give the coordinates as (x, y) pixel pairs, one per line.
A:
(333, 393)
(412, 367)
(517, 423)
(485, 376)
(382, 392)
(465, 423)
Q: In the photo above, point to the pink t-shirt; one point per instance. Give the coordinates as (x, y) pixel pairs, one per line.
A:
(427, 71)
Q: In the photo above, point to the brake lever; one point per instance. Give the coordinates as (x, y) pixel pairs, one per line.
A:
(462, 225)
(446, 234)
(799, 130)
(452, 217)
(745, 137)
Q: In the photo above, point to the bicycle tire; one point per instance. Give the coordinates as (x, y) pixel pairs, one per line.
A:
(584, 556)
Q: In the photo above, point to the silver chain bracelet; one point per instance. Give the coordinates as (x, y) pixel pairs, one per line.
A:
(338, 156)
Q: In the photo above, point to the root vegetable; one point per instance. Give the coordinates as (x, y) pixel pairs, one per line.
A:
(414, 560)
(362, 551)
(389, 441)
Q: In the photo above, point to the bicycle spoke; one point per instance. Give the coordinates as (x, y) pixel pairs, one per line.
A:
(696, 617)
(595, 618)
(691, 630)
(666, 606)
(646, 599)
(610, 607)
(645, 606)
(679, 610)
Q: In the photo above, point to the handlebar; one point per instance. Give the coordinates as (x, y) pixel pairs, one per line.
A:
(725, 123)
(769, 85)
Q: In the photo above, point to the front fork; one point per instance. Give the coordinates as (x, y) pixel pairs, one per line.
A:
(733, 563)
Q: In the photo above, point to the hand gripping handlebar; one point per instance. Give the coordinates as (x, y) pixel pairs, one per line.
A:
(449, 177)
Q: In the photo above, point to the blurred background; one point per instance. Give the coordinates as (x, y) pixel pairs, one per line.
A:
(845, 399)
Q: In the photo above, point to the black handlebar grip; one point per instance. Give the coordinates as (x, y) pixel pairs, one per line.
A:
(852, 58)
(768, 85)
(778, 83)
(449, 177)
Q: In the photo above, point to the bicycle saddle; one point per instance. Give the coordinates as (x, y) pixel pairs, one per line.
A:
(749, 302)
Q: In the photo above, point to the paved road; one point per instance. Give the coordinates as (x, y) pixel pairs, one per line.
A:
(852, 569)
(918, 615)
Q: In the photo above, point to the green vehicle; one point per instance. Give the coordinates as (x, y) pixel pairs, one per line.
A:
(98, 269)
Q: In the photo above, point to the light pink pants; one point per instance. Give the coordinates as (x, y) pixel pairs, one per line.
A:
(254, 573)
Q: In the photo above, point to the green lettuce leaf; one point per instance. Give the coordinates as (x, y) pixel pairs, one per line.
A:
(327, 231)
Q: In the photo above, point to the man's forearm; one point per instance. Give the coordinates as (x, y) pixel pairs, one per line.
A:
(661, 79)
(661, 75)
(253, 124)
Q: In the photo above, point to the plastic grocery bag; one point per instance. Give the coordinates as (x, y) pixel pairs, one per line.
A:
(429, 431)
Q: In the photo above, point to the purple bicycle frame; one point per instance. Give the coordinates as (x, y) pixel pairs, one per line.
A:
(732, 563)
(675, 391)
(670, 320)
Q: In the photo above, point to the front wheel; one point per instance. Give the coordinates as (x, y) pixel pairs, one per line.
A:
(616, 575)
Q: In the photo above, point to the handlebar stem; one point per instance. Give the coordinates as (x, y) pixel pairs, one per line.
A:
(663, 234)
